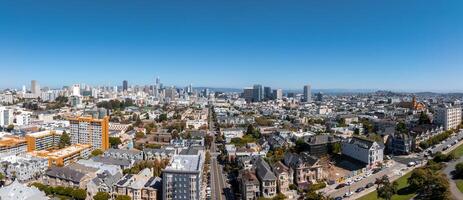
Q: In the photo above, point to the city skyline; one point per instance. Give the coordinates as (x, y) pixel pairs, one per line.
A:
(396, 45)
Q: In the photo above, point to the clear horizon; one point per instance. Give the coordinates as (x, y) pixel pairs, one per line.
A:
(387, 45)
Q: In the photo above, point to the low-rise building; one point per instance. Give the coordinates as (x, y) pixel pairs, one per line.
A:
(141, 186)
(23, 167)
(43, 140)
(18, 191)
(12, 145)
(249, 185)
(267, 179)
(363, 150)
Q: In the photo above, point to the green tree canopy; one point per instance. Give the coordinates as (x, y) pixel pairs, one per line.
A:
(101, 196)
(97, 152)
(64, 140)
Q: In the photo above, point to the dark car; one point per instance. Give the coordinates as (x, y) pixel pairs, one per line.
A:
(369, 185)
(341, 186)
(338, 198)
(376, 170)
(360, 189)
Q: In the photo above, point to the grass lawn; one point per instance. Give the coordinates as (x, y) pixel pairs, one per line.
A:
(403, 193)
(458, 151)
(459, 183)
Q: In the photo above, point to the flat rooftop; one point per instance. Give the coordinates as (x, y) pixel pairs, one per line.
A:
(43, 133)
(185, 163)
(68, 150)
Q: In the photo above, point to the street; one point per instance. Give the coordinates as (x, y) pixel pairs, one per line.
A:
(220, 188)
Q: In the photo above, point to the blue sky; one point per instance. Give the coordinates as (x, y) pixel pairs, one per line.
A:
(383, 44)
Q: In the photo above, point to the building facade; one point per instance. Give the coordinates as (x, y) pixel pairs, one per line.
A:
(88, 130)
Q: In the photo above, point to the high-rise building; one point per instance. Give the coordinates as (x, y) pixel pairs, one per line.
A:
(258, 93)
(268, 93)
(182, 179)
(92, 131)
(35, 88)
(125, 85)
(278, 94)
(248, 94)
(76, 90)
(307, 96)
(320, 96)
(448, 116)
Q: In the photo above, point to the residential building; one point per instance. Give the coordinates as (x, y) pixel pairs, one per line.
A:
(66, 177)
(43, 140)
(18, 191)
(6, 116)
(448, 116)
(284, 177)
(304, 167)
(141, 186)
(22, 167)
(129, 154)
(65, 156)
(182, 179)
(88, 130)
(363, 150)
(249, 185)
(12, 145)
(267, 179)
(320, 145)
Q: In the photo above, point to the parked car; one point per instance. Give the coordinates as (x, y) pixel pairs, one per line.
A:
(338, 198)
(360, 189)
(341, 186)
(369, 185)
(348, 194)
(411, 164)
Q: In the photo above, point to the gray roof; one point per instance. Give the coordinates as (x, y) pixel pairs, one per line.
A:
(112, 161)
(263, 170)
(65, 173)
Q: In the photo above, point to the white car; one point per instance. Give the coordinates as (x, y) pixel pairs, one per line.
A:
(348, 194)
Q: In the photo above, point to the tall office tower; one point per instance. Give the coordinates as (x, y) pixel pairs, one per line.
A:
(278, 94)
(125, 85)
(92, 131)
(248, 93)
(320, 96)
(76, 90)
(24, 89)
(258, 93)
(189, 89)
(182, 179)
(171, 93)
(448, 116)
(307, 94)
(268, 93)
(35, 88)
(206, 92)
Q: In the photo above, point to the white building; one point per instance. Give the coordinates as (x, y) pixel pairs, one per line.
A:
(23, 119)
(24, 167)
(18, 191)
(6, 116)
(448, 116)
(363, 150)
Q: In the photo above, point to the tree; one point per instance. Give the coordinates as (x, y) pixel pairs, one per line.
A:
(79, 194)
(385, 188)
(123, 197)
(101, 196)
(139, 135)
(115, 141)
(459, 170)
(401, 127)
(64, 140)
(424, 119)
(97, 152)
(162, 117)
(336, 148)
(10, 127)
